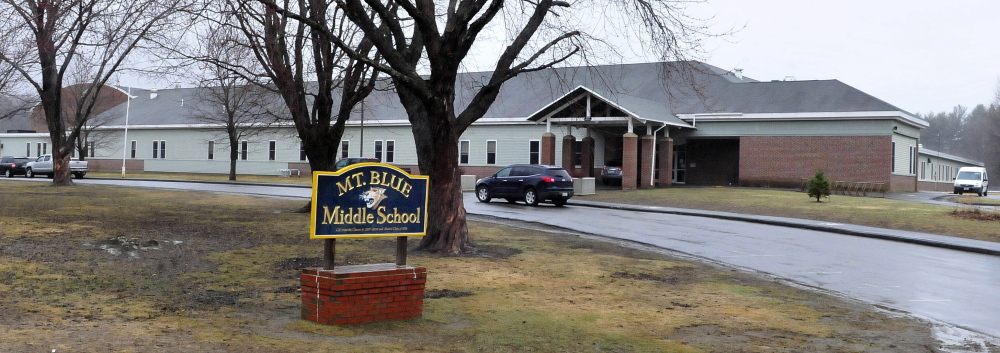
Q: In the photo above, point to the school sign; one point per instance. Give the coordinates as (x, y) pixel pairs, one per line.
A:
(368, 200)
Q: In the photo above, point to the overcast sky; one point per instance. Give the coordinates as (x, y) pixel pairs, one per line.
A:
(919, 55)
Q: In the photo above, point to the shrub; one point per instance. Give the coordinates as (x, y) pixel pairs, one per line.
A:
(819, 186)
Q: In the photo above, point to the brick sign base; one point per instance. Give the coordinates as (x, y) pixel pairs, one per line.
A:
(361, 294)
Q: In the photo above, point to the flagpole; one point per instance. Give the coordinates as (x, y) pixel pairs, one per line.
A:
(128, 104)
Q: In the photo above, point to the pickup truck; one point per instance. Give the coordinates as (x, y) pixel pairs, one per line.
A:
(43, 165)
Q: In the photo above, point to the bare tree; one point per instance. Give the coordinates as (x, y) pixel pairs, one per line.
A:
(13, 100)
(226, 98)
(302, 66)
(42, 39)
(424, 45)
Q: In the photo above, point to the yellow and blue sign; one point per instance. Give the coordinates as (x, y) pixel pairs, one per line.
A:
(368, 200)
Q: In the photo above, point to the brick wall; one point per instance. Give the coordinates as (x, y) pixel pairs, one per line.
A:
(115, 165)
(786, 159)
(902, 183)
(355, 295)
(935, 186)
(630, 162)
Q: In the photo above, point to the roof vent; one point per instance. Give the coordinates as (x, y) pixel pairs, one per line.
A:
(789, 78)
(152, 93)
(739, 73)
(177, 84)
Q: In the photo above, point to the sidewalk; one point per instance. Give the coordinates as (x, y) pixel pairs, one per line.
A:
(941, 241)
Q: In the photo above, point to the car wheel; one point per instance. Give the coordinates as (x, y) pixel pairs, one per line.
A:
(78, 175)
(530, 197)
(980, 193)
(9, 173)
(29, 173)
(559, 202)
(483, 194)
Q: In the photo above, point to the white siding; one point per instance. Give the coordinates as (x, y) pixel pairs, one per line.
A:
(902, 158)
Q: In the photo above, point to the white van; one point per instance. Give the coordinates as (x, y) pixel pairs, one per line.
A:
(972, 179)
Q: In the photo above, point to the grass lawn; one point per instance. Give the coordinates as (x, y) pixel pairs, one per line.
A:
(92, 268)
(869, 211)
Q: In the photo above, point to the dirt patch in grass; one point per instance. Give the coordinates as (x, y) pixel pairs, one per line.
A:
(200, 272)
(444, 293)
(977, 215)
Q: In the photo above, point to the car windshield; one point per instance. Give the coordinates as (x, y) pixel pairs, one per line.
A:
(969, 176)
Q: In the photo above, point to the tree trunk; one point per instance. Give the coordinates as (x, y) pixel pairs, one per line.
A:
(436, 141)
(447, 229)
(234, 154)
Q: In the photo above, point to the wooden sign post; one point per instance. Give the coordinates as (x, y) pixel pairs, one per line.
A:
(361, 201)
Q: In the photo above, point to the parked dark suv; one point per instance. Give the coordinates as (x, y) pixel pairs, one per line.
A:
(11, 166)
(343, 162)
(530, 183)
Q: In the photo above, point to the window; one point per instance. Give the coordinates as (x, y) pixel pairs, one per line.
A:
(923, 170)
(90, 149)
(45, 148)
(133, 148)
(244, 146)
(578, 153)
(378, 150)
(390, 151)
(271, 149)
(159, 149)
(302, 151)
(463, 152)
(211, 150)
(344, 148)
(534, 151)
(491, 152)
(27, 153)
(913, 159)
(893, 156)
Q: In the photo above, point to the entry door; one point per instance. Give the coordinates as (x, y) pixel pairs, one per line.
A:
(680, 166)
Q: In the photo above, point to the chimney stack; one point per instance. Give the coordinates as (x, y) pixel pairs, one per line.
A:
(152, 93)
(739, 73)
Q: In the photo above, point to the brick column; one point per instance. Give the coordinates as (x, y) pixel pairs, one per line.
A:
(646, 167)
(629, 162)
(567, 154)
(548, 148)
(666, 158)
(588, 157)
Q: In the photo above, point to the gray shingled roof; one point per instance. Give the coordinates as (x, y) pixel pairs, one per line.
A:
(681, 87)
